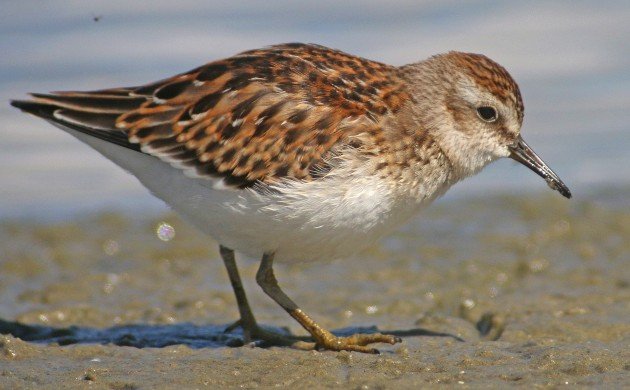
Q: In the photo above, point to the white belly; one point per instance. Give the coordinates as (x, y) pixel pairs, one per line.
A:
(319, 220)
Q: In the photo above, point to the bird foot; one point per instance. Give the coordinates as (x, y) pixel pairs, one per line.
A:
(253, 333)
(358, 342)
(236, 324)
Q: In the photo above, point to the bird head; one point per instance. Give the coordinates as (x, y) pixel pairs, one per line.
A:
(474, 110)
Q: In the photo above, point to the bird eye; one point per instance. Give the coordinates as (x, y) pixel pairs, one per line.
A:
(487, 113)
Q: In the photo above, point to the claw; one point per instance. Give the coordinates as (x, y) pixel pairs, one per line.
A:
(357, 342)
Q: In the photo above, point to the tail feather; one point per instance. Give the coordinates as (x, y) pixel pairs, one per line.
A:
(92, 102)
(102, 122)
(93, 115)
(41, 110)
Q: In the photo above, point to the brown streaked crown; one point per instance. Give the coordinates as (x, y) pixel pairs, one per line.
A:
(491, 76)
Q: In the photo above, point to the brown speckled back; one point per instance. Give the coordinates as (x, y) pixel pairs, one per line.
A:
(259, 116)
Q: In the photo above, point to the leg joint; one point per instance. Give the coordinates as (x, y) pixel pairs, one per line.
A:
(225, 251)
(265, 276)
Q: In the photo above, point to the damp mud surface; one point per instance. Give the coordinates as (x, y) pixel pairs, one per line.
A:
(528, 290)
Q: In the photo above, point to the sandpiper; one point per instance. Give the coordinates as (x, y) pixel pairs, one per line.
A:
(299, 152)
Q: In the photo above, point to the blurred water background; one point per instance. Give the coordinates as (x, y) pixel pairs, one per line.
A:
(571, 59)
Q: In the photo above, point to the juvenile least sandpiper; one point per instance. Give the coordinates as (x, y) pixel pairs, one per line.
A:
(299, 152)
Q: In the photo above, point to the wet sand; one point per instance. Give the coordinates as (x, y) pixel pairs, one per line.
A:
(529, 290)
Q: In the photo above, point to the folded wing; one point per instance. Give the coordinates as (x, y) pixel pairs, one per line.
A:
(260, 116)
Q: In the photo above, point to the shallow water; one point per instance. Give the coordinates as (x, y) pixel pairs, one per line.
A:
(533, 290)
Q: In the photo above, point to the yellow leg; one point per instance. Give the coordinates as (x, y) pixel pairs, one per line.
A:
(323, 338)
(251, 330)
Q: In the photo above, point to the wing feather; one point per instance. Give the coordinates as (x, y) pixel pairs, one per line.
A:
(259, 116)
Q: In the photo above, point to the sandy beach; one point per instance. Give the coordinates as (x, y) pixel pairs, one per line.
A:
(529, 290)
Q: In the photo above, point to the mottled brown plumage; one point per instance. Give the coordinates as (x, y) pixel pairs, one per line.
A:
(259, 116)
(491, 76)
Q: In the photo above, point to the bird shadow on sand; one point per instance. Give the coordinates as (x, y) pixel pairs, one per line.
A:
(158, 336)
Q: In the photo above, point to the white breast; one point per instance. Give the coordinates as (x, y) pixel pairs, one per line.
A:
(329, 218)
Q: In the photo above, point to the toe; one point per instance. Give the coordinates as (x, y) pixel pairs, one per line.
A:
(232, 326)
